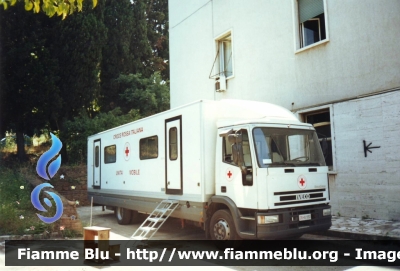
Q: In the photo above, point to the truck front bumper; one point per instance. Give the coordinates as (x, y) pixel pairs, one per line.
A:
(291, 222)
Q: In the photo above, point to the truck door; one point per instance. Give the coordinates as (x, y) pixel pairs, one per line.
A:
(96, 164)
(236, 174)
(173, 155)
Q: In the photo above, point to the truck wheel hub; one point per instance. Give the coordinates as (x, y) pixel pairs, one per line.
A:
(222, 230)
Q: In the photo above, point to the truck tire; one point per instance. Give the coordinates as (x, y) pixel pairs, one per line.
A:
(222, 226)
(123, 215)
(135, 218)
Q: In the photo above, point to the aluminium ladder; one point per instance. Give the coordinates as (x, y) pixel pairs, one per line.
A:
(155, 220)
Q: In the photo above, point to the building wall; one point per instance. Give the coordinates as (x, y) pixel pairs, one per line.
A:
(355, 73)
(360, 57)
(367, 186)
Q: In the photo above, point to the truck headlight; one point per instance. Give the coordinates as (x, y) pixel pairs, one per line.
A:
(326, 212)
(267, 219)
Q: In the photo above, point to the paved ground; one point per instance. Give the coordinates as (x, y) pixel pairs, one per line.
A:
(171, 230)
(366, 229)
(342, 227)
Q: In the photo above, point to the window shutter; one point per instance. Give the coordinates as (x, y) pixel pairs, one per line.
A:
(309, 9)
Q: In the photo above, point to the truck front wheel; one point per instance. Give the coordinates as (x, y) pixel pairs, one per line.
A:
(222, 226)
(123, 215)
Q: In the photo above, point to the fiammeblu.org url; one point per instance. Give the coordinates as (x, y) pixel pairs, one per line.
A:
(230, 254)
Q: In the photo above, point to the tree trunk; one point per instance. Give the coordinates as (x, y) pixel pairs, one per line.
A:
(21, 147)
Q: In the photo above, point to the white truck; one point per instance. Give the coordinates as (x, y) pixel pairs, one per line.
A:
(239, 169)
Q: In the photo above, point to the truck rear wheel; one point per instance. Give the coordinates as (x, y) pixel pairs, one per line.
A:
(123, 215)
(222, 226)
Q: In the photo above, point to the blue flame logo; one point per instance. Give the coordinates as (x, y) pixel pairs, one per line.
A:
(52, 170)
(47, 156)
(36, 203)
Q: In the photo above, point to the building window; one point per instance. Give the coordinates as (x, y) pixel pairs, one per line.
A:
(321, 120)
(222, 68)
(148, 147)
(225, 66)
(311, 19)
(110, 154)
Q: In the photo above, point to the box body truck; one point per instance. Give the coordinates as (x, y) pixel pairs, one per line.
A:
(239, 169)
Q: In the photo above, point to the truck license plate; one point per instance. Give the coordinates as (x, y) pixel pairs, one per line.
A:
(305, 217)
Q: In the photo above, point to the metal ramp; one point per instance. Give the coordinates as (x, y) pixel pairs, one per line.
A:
(155, 220)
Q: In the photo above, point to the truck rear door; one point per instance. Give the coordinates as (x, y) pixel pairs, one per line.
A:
(173, 155)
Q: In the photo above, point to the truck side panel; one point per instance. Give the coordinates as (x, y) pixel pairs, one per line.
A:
(139, 159)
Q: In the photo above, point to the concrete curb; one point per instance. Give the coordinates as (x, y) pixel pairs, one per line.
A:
(355, 236)
(38, 236)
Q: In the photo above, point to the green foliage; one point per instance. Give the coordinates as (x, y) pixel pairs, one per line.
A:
(49, 7)
(118, 56)
(80, 53)
(18, 216)
(157, 34)
(77, 131)
(137, 42)
(53, 70)
(149, 95)
(29, 73)
(67, 233)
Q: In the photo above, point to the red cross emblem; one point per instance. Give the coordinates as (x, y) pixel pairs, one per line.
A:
(127, 151)
(302, 182)
(229, 174)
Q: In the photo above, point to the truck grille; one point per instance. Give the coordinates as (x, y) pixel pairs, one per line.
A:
(300, 196)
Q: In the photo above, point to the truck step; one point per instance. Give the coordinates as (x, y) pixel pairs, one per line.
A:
(248, 218)
(147, 228)
(248, 233)
(155, 220)
(163, 210)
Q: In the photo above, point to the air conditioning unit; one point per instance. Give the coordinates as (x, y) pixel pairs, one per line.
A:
(220, 83)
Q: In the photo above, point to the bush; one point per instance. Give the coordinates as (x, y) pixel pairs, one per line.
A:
(77, 131)
(18, 216)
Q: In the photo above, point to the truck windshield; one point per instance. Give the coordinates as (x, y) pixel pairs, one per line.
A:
(283, 147)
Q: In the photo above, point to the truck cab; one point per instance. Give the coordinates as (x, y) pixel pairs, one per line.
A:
(273, 180)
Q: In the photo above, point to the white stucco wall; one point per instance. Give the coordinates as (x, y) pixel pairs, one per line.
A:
(360, 57)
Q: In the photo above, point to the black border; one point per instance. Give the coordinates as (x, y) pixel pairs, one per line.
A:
(94, 168)
(174, 191)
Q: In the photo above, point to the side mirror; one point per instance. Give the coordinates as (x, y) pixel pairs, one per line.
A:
(235, 138)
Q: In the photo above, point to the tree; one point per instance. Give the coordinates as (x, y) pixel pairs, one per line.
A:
(137, 44)
(117, 55)
(157, 32)
(78, 44)
(29, 74)
(81, 127)
(49, 7)
(148, 95)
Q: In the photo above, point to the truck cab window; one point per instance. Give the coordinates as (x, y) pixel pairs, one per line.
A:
(287, 147)
(236, 151)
